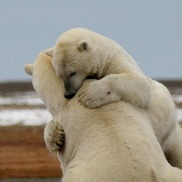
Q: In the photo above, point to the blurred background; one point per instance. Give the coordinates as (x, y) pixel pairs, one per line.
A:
(150, 31)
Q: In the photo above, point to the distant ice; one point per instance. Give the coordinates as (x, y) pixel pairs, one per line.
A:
(24, 117)
(37, 116)
(179, 115)
(177, 98)
(21, 98)
(32, 116)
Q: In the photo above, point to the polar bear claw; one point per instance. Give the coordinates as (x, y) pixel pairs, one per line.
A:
(54, 136)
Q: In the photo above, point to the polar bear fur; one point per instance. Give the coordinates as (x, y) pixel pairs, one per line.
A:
(80, 53)
(115, 142)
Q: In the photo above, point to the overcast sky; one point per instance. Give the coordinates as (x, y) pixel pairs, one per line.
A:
(150, 31)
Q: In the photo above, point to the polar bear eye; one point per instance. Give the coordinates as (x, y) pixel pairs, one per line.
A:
(73, 73)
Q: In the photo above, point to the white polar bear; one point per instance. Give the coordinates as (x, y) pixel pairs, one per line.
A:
(115, 142)
(80, 53)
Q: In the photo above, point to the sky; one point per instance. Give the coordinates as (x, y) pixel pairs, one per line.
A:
(150, 31)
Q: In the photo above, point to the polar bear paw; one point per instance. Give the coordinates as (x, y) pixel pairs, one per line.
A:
(97, 94)
(54, 136)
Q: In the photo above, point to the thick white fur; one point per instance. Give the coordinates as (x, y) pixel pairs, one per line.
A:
(115, 142)
(103, 57)
(120, 79)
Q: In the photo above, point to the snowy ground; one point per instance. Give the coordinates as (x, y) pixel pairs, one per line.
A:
(27, 109)
(31, 111)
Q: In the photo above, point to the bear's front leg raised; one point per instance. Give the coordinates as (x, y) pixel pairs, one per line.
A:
(54, 136)
(96, 94)
(130, 87)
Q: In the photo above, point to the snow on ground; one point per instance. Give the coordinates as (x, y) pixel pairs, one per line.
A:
(21, 98)
(179, 115)
(32, 116)
(177, 98)
(24, 116)
(37, 116)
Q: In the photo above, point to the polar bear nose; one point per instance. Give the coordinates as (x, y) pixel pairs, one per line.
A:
(69, 95)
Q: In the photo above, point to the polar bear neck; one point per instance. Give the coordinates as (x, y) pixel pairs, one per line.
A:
(113, 58)
(109, 50)
(115, 61)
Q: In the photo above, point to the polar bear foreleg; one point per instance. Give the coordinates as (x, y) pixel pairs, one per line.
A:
(130, 87)
(54, 136)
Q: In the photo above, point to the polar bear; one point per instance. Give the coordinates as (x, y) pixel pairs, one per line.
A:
(115, 142)
(80, 53)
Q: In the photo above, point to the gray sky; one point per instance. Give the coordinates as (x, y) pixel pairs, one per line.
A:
(151, 31)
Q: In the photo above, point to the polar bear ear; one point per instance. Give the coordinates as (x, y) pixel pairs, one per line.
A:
(28, 69)
(50, 51)
(83, 45)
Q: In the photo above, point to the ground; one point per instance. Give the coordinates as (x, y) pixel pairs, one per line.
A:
(22, 149)
(23, 154)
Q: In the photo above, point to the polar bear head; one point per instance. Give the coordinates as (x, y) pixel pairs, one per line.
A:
(76, 56)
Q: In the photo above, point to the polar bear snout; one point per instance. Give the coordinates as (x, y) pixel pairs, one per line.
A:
(69, 90)
(72, 85)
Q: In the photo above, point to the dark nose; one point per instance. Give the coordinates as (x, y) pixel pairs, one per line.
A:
(69, 95)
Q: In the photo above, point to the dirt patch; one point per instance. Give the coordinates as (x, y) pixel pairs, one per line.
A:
(23, 154)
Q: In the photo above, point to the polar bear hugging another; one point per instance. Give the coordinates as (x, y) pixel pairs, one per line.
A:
(112, 143)
(80, 53)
